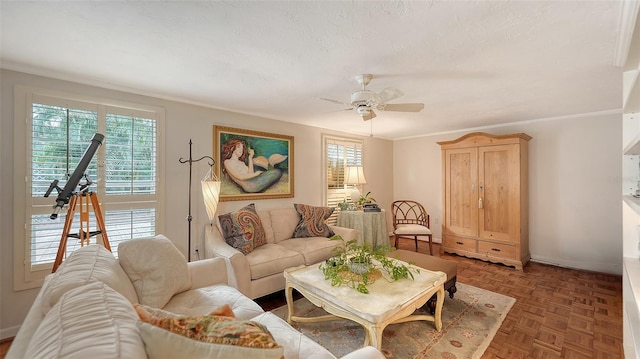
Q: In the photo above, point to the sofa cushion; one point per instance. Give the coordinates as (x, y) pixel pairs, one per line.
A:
(90, 321)
(313, 221)
(283, 222)
(265, 218)
(314, 250)
(243, 229)
(202, 301)
(156, 268)
(272, 259)
(296, 345)
(163, 344)
(92, 263)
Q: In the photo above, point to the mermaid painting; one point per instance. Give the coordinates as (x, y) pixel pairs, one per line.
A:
(239, 163)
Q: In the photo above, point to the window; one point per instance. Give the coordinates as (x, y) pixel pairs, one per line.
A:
(124, 172)
(338, 154)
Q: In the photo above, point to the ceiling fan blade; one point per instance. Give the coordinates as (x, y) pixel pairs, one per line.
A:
(389, 94)
(334, 101)
(403, 107)
(369, 116)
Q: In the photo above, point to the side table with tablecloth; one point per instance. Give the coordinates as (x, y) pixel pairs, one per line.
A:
(371, 227)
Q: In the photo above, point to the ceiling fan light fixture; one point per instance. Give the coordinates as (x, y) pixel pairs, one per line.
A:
(362, 97)
(363, 110)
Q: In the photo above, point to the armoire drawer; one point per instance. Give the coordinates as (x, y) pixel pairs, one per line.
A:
(497, 250)
(464, 244)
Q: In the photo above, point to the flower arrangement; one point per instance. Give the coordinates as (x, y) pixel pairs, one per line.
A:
(357, 265)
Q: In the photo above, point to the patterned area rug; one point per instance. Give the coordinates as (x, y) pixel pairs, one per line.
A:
(469, 322)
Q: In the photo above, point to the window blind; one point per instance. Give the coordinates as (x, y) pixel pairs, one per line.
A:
(339, 153)
(126, 182)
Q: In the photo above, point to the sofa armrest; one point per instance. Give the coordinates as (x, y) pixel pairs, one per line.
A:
(238, 270)
(368, 352)
(208, 272)
(346, 233)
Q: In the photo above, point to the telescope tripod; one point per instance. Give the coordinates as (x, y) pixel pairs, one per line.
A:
(83, 235)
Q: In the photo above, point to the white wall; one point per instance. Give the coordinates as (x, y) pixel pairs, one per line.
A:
(183, 121)
(574, 187)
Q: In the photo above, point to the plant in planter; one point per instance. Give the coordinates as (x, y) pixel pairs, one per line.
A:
(343, 205)
(365, 199)
(357, 265)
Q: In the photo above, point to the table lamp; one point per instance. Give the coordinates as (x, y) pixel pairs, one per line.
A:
(355, 177)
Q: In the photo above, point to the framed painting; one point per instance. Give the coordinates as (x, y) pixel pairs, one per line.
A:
(252, 164)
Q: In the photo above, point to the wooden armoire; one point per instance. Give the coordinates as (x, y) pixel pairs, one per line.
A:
(486, 197)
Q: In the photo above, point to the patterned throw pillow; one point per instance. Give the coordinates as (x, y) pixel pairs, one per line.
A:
(151, 315)
(242, 229)
(217, 329)
(163, 344)
(312, 221)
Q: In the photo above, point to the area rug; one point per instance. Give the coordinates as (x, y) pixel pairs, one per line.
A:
(469, 322)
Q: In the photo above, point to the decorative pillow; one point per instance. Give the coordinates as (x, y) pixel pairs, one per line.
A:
(90, 321)
(151, 315)
(163, 344)
(243, 229)
(156, 268)
(92, 263)
(216, 330)
(312, 221)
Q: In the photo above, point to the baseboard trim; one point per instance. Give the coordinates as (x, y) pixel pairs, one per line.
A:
(8, 333)
(599, 267)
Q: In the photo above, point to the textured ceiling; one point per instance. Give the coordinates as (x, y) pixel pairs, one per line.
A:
(472, 64)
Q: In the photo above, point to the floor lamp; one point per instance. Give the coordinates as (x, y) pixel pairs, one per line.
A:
(211, 200)
(211, 193)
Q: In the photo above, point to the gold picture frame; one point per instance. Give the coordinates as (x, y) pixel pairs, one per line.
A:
(253, 164)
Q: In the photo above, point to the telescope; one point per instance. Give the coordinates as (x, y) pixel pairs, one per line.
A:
(64, 194)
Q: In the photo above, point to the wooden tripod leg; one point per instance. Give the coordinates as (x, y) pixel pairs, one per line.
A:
(100, 220)
(62, 248)
(84, 220)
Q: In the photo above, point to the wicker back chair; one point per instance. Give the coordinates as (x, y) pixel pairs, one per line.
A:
(410, 219)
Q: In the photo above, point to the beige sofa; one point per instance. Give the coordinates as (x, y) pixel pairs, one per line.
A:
(85, 310)
(260, 272)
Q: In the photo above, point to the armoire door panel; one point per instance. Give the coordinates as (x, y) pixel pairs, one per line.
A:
(497, 168)
(461, 166)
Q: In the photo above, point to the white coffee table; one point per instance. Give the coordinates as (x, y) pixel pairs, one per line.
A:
(387, 302)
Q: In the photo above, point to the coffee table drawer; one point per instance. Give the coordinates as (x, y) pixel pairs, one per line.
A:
(497, 250)
(464, 244)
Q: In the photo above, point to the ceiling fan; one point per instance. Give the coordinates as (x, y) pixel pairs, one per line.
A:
(365, 101)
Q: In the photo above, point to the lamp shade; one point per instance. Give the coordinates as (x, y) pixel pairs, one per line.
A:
(355, 175)
(211, 193)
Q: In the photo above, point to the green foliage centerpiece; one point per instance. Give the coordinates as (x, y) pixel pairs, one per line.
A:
(357, 265)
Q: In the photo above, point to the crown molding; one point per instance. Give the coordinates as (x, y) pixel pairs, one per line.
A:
(627, 21)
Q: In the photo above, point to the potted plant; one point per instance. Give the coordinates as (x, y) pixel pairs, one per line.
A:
(365, 199)
(357, 265)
